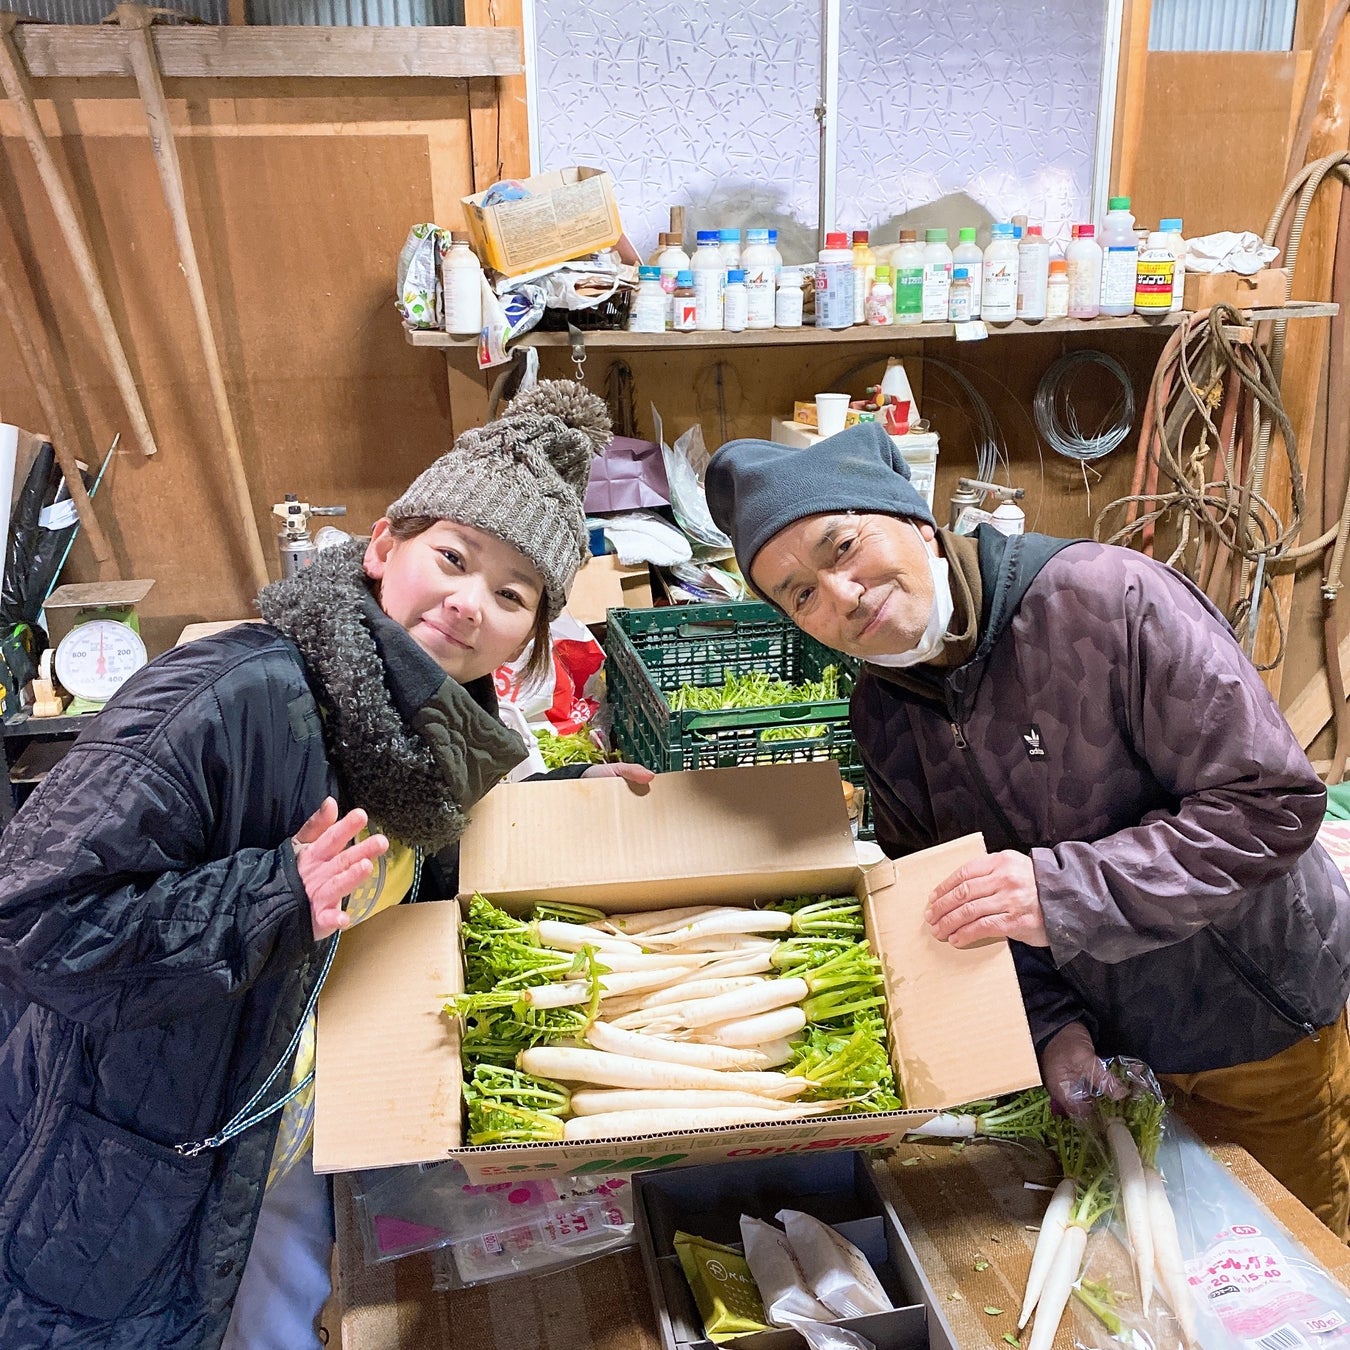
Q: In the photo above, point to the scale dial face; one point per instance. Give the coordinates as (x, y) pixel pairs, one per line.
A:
(95, 659)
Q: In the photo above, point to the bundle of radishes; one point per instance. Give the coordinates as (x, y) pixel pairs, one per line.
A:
(1108, 1167)
(579, 1025)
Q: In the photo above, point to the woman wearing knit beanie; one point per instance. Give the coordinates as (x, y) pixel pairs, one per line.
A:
(170, 897)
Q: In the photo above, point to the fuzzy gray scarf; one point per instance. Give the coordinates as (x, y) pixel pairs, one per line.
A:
(414, 776)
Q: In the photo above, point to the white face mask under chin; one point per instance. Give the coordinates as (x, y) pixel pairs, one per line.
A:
(935, 634)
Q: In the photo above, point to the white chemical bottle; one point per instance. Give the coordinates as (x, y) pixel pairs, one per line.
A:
(1171, 227)
(960, 298)
(1033, 273)
(1084, 256)
(462, 282)
(729, 246)
(834, 283)
(672, 262)
(937, 277)
(864, 273)
(709, 279)
(1120, 259)
(880, 306)
(734, 301)
(787, 309)
(969, 255)
(1153, 276)
(760, 262)
(907, 271)
(998, 296)
(648, 314)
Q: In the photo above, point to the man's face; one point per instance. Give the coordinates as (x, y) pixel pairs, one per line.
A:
(857, 583)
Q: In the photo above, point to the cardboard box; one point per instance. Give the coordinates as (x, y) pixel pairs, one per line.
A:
(1266, 287)
(570, 212)
(604, 583)
(805, 414)
(838, 1189)
(387, 1078)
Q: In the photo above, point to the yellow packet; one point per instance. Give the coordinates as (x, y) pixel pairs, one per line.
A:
(723, 1288)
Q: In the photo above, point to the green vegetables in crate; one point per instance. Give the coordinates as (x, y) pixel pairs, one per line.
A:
(576, 747)
(754, 690)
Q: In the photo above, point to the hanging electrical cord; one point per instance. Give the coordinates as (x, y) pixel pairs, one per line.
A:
(1057, 415)
(1226, 528)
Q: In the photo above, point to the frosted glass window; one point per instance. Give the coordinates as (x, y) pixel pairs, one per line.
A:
(966, 112)
(1221, 26)
(699, 103)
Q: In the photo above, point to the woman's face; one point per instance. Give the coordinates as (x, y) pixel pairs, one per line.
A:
(467, 598)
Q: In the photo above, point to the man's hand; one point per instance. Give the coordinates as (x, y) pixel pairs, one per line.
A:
(1073, 1075)
(331, 866)
(992, 897)
(634, 773)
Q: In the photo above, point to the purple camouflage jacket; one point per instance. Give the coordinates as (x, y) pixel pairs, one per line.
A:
(1109, 725)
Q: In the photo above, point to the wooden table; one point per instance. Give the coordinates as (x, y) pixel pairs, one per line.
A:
(961, 1209)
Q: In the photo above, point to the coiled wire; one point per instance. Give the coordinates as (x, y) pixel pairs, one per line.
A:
(1057, 417)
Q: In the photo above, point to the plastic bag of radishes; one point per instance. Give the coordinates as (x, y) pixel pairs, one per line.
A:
(1170, 1250)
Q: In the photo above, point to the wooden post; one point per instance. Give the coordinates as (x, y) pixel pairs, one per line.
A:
(136, 19)
(1306, 345)
(1130, 92)
(499, 125)
(15, 83)
(37, 364)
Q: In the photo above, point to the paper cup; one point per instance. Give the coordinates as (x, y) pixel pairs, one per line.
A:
(831, 413)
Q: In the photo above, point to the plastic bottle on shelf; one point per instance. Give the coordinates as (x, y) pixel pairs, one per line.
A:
(734, 301)
(1171, 227)
(686, 303)
(777, 256)
(998, 296)
(1120, 260)
(1154, 275)
(1057, 289)
(760, 261)
(1033, 273)
(880, 305)
(787, 309)
(709, 278)
(672, 262)
(653, 259)
(729, 246)
(834, 283)
(648, 314)
(907, 269)
(969, 255)
(961, 298)
(937, 276)
(462, 282)
(864, 273)
(1084, 256)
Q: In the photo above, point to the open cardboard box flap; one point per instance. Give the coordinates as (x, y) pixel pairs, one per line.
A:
(388, 1082)
(599, 841)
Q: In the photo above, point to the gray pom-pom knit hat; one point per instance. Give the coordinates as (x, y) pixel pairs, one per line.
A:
(523, 478)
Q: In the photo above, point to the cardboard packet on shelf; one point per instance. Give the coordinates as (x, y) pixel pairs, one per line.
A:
(723, 1288)
(418, 297)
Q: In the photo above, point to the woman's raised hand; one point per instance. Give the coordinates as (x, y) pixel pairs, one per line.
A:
(331, 865)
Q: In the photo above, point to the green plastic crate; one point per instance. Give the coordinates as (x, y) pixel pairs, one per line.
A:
(651, 651)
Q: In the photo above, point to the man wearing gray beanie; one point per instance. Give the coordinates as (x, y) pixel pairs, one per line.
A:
(1152, 818)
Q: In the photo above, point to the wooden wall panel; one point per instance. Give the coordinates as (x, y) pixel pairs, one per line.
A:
(299, 207)
(1215, 132)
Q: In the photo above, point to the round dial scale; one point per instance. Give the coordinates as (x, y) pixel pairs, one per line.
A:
(96, 658)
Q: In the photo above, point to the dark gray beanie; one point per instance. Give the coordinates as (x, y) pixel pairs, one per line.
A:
(523, 478)
(756, 488)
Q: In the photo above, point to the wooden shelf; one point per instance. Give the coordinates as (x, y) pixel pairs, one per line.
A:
(807, 337)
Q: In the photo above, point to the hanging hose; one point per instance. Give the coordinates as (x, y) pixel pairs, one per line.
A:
(1225, 526)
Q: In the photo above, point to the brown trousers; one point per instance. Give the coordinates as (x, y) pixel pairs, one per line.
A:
(1290, 1112)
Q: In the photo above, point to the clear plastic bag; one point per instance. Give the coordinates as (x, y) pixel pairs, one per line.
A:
(1254, 1287)
(494, 1231)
